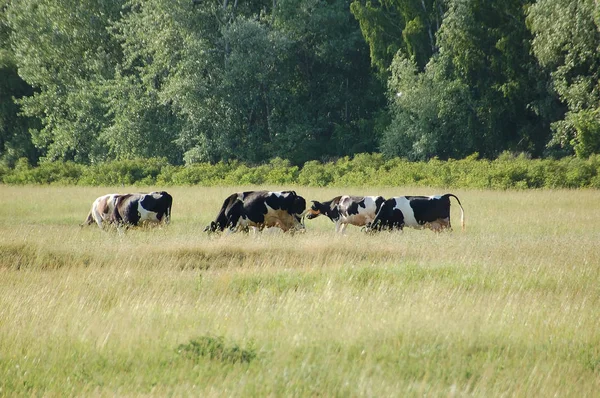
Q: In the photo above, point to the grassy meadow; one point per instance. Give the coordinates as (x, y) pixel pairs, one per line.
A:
(508, 307)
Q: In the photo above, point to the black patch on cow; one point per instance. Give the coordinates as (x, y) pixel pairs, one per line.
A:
(299, 204)
(428, 209)
(157, 202)
(353, 208)
(388, 217)
(378, 202)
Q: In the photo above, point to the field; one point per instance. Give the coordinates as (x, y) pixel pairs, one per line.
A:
(509, 307)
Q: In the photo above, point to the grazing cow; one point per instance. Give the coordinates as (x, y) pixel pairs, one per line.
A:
(344, 210)
(418, 212)
(101, 210)
(136, 208)
(260, 209)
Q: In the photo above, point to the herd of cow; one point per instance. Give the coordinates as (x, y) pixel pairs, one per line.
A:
(285, 210)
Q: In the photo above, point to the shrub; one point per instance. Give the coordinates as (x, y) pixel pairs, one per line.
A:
(214, 348)
(66, 173)
(314, 174)
(508, 171)
(281, 172)
(124, 172)
(202, 173)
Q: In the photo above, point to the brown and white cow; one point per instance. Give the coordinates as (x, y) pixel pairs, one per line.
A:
(259, 210)
(101, 210)
(344, 210)
(418, 212)
(136, 208)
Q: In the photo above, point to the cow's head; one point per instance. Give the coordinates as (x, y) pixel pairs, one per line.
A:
(299, 205)
(314, 210)
(214, 226)
(328, 209)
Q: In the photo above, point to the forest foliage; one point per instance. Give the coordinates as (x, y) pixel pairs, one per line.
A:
(209, 81)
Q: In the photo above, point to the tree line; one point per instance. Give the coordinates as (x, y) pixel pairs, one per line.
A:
(195, 81)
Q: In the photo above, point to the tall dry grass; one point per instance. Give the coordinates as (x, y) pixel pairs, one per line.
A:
(508, 307)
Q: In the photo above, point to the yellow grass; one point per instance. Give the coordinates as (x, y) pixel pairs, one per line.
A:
(509, 307)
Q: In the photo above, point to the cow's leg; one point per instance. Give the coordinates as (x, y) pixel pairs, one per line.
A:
(343, 228)
(340, 227)
(97, 217)
(397, 220)
(168, 216)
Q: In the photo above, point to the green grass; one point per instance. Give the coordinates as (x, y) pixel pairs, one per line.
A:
(511, 306)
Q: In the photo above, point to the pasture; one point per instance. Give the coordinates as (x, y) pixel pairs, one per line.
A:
(511, 306)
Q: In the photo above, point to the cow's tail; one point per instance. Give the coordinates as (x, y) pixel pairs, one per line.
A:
(462, 211)
(89, 220)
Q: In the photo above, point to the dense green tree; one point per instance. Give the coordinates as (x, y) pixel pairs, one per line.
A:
(482, 92)
(292, 82)
(211, 80)
(430, 113)
(15, 140)
(62, 48)
(333, 99)
(140, 105)
(407, 27)
(567, 42)
(248, 81)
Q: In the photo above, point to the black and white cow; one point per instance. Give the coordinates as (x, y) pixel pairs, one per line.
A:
(344, 210)
(136, 208)
(101, 210)
(260, 209)
(418, 212)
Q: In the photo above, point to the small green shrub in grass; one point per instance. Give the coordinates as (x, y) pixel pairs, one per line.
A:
(214, 348)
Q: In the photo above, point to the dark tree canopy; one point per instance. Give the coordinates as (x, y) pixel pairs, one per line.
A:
(205, 81)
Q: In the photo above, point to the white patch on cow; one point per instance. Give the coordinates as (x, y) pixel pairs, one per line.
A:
(435, 197)
(145, 215)
(102, 208)
(364, 216)
(403, 204)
